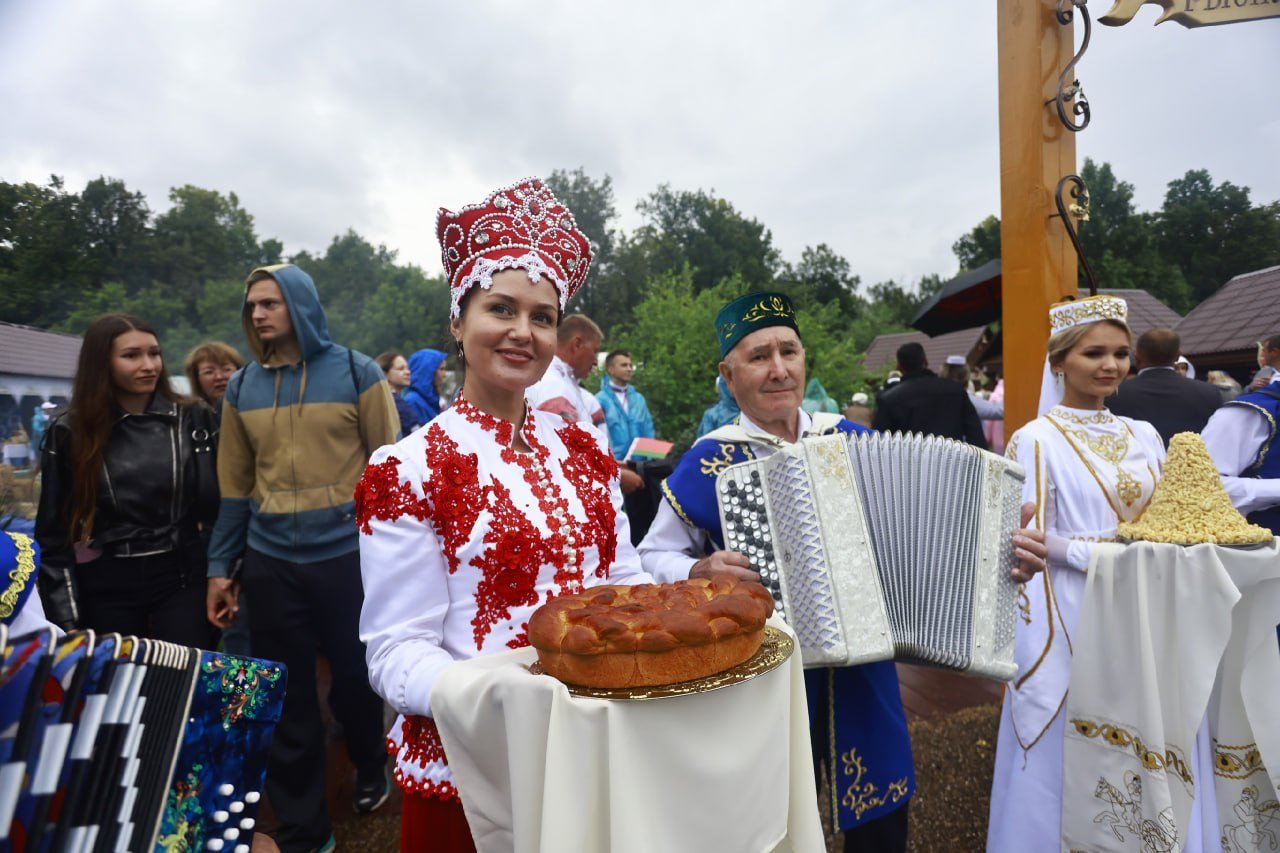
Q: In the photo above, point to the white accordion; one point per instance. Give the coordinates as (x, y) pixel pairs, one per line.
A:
(884, 546)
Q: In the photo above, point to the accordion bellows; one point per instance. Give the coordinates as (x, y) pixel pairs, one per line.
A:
(884, 546)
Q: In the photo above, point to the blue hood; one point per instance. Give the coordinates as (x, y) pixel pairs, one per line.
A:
(309, 322)
(422, 393)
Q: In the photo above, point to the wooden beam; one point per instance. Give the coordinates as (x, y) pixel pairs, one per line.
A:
(1038, 264)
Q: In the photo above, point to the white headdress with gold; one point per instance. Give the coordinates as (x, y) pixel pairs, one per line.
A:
(1076, 312)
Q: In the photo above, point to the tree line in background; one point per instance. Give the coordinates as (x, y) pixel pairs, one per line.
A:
(67, 256)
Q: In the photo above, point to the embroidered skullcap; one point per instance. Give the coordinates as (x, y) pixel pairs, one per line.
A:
(1075, 312)
(750, 313)
(522, 226)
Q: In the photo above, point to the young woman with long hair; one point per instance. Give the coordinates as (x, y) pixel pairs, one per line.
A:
(128, 482)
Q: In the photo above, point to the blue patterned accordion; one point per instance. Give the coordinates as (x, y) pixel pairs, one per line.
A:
(111, 743)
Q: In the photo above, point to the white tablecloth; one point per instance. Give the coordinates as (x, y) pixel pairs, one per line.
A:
(541, 770)
(1173, 715)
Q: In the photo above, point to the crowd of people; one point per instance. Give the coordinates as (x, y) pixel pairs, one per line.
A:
(396, 517)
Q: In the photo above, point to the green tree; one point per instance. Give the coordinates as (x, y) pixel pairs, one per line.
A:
(42, 264)
(406, 312)
(672, 335)
(205, 235)
(709, 235)
(594, 212)
(1213, 233)
(979, 246)
(116, 226)
(822, 276)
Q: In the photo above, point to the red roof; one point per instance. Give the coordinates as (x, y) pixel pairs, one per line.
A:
(1244, 311)
(25, 351)
(883, 352)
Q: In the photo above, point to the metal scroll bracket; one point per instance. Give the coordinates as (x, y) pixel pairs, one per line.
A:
(1078, 208)
(1070, 93)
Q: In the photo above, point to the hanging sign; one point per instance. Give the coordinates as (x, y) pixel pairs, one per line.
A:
(1195, 13)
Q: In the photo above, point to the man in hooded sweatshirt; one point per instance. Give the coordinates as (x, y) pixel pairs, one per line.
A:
(298, 425)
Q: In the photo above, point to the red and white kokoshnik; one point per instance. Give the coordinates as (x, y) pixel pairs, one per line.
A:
(522, 226)
(497, 534)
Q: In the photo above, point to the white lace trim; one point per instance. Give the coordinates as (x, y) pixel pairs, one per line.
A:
(482, 274)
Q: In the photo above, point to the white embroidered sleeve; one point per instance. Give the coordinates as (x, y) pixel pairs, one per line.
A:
(1235, 435)
(406, 597)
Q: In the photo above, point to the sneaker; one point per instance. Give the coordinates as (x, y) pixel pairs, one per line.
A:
(329, 846)
(371, 793)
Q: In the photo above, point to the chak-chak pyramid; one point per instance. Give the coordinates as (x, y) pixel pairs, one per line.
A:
(1190, 506)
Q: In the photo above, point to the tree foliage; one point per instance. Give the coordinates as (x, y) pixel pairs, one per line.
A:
(67, 256)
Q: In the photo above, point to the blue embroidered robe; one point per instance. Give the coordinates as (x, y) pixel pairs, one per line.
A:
(859, 728)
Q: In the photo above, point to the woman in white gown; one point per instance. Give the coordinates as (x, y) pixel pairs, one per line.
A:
(1087, 470)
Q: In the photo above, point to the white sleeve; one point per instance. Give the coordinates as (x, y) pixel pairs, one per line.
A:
(670, 548)
(1235, 435)
(406, 596)
(986, 409)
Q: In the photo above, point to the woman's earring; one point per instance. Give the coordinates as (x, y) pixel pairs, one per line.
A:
(1060, 381)
(461, 356)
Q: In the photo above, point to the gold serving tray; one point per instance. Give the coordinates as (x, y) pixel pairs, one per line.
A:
(776, 647)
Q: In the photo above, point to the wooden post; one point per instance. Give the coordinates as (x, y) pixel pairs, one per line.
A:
(1038, 264)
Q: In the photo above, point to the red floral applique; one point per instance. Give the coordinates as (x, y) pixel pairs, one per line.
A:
(455, 491)
(510, 565)
(421, 739)
(521, 640)
(591, 471)
(381, 494)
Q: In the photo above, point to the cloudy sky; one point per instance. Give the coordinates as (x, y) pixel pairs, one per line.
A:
(868, 126)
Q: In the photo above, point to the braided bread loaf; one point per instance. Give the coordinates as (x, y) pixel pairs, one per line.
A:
(637, 636)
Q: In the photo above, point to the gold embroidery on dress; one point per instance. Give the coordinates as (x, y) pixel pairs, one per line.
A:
(1124, 813)
(1113, 449)
(1024, 603)
(860, 798)
(1236, 762)
(20, 576)
(713, 466)
(1121, 738)
(1011, 450)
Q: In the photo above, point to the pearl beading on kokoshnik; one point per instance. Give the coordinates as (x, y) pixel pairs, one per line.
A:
(525, 217)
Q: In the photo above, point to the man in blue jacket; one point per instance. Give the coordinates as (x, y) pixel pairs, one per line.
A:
(625, 411)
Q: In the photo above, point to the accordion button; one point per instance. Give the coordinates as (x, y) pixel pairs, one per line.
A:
(226, 789)
(214, 844)
(242, 848)
(220, 816)
(252, 797)
(247, 824)
(231, 834)
(236, 807)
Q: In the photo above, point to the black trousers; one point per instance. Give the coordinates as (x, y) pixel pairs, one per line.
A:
(160, 597)
(301, 610)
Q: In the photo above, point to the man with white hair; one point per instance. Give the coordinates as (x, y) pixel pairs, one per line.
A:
(855, 712)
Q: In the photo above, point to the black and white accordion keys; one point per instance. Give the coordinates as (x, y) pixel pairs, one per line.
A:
(884, 546)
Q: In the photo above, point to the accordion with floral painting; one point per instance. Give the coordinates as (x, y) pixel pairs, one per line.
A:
(111, 743)
(883, 546)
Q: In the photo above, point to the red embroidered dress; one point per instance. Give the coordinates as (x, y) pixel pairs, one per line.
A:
(461, 539)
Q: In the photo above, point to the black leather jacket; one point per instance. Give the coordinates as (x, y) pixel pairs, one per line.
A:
(157, 492)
